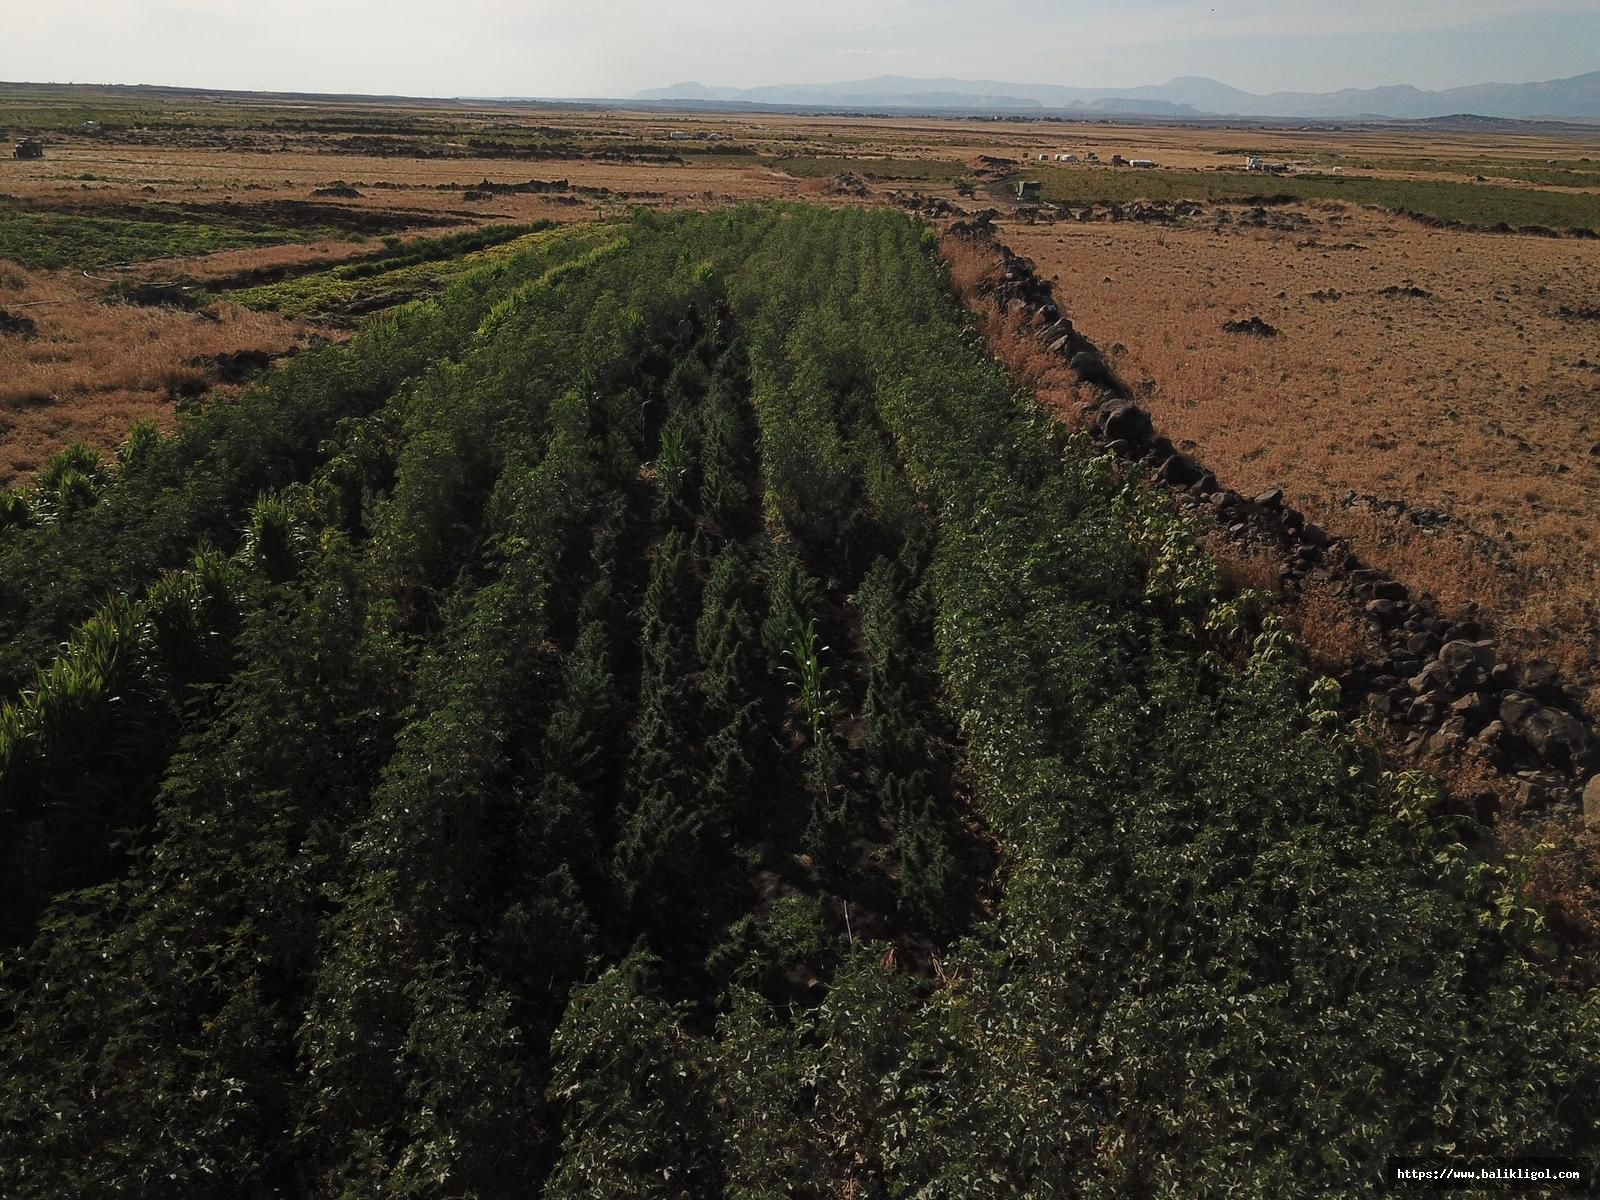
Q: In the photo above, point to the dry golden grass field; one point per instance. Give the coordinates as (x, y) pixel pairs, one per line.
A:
(1432, 392)
(1454, 435)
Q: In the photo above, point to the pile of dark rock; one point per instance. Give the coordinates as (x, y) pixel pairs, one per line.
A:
(932, 207)
(1448, 693)
(1411, 290)
(1259, 216)
(1150, 212)
(534, 187)
(1251, 327)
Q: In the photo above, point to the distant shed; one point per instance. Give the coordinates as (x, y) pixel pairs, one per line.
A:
(29, 148)
(1028, 191)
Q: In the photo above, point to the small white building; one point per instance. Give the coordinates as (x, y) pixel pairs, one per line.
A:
(1066, 158)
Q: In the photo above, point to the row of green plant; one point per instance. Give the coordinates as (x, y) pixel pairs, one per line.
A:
(66, 549)
(415, 270)
(705, 733)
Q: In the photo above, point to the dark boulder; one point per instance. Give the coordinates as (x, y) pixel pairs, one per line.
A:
(1466, 666)
(1540, 678)
(1556, 737)
(1123, 421)
(1427, 710)
(1422, 643)
(1179, 471)
(1091, 368)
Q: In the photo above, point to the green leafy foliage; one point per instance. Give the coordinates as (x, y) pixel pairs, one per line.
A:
(416, 270)
(54, 239)
(667, 718)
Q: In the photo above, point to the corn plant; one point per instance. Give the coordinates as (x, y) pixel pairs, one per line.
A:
(809, 678)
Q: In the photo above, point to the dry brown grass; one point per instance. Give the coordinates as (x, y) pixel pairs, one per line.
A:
(96, 368)
(1329, 629)
(1472, 403)
(973, 265)
(1244, 568)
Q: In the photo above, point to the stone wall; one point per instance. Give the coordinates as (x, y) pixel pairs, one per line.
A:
(1451, 698)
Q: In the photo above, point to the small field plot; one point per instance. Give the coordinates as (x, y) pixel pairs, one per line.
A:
(418, 269)
(1481, 204)
(54, 239)
(938, 169)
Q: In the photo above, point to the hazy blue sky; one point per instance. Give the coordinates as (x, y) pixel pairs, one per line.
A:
(573, 48)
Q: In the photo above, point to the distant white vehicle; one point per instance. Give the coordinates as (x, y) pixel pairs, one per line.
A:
(1066, 158)
(1144, 164)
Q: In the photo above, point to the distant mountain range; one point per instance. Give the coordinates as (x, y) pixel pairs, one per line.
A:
(1577, 98)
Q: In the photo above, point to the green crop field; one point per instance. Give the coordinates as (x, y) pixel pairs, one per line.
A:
(1481, 204)
(420, 268)
(49, 239)
(667, 717)
(874, 168)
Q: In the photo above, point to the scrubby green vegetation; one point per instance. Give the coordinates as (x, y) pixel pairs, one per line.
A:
(50, 239)
(419, 268)
(1482, 204)
(873, 168)
(668, 719)
(1566, 172)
